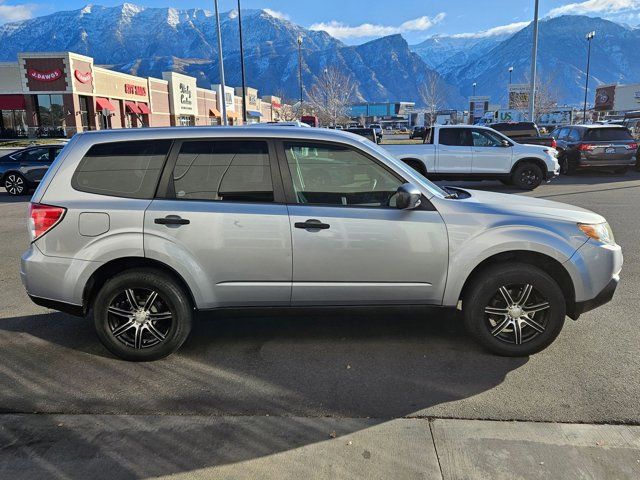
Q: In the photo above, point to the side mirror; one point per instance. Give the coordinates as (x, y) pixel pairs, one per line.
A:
(506, 143)
(408, 197)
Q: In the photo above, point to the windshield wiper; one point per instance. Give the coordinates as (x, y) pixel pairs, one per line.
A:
(452, 193)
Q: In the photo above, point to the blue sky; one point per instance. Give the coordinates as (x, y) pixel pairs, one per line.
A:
(356, 21)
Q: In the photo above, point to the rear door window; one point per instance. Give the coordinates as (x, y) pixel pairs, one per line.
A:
(574, 135)
(35, 155)
(456, 137)
(607, 134)
(122, 169)
(237, 171)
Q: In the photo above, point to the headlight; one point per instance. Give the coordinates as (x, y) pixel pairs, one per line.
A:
(598, 231)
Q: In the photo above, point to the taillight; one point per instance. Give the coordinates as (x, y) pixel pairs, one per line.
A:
(585, 147)
(631, 146)
(554, 144)
(43, 218)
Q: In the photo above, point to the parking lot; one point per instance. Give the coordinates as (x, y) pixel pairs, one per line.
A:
(370, 364)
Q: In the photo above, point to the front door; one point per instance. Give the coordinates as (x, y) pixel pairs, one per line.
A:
(224, 219)
(455, 153)
(350, 244)
(490, 155)
(34, 163)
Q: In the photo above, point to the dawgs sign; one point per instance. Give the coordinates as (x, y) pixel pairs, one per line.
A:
(82, 77)
(46, 76)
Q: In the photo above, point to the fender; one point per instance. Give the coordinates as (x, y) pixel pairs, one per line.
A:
(466, 256)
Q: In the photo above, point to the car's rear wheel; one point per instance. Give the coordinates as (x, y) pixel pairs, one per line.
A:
(565, 165)
(15, 184)
(514, 309)
(142, 315)
(527, 176)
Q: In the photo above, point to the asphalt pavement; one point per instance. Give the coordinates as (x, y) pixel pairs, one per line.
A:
(370, 365)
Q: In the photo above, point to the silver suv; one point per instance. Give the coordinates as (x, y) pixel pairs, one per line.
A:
(147, 227)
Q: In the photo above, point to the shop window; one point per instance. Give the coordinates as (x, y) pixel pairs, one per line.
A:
(50, 110)
(84, 113)
(13, 123)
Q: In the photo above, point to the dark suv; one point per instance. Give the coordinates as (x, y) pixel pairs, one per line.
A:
(595, 146)
(23, 169)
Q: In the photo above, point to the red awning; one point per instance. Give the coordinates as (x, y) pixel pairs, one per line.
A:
(12, 102)
(131, 107)
(104, 104)
(144, 109)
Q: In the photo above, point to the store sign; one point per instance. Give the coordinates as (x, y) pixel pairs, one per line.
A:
(185, 94)
(45, 76)
(83, 77)
(605, 97)
(131, 89)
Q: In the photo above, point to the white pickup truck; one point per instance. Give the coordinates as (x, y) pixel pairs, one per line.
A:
(464, 152)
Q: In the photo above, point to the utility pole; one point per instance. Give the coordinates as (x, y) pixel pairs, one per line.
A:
(534, 59)
(244, 84)
(225, 121)
(300, 70)
(510, 73)
(589, 37)
(474, 88)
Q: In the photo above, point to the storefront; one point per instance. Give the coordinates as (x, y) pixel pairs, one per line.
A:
(254, 113)
(183, 101)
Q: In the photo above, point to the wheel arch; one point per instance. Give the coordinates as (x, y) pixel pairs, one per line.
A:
(535, 160)
(546, 263)
(416, 164)
(119, 265)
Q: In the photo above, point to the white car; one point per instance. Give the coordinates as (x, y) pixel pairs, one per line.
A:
(464, 152)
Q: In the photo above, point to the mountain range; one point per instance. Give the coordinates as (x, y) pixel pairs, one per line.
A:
(148, 41)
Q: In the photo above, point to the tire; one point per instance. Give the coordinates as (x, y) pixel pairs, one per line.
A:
(565, 166)
(15, 184)
(145, 339)
(527, 176)
(497, 330)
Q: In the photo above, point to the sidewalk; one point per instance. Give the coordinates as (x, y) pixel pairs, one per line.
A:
(113, 446)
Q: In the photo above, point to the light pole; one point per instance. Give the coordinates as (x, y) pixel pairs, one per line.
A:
(510, 74)
(534, 59)
(474, 88)
(300, 69)
(589, 37)
(223, 103)
(244, 84)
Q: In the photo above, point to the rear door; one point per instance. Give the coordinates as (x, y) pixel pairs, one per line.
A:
(223, 217)
(34, 163)
(455, 153)
(490, 155)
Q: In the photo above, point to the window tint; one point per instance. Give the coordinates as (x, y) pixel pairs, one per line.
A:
(35, 155)
(574, 135)
(122, 169)
(458, 137)
(337, 175)
(226, 171)
(607, 134)
(482, 138)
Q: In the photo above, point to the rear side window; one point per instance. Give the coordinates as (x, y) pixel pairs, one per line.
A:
(574, 135)
(457, 137)
(122, 169)
(607, 134)
(223, 171)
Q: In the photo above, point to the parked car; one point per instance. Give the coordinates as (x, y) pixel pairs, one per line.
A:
(369, 133)
(464, 152)
(596, 146)
(524, 132)
(378, 128)
(632, 122)
(417, 132)
(146, 228)
(295, 123)
(22, 170)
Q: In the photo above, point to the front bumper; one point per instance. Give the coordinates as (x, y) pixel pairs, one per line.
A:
(605, 296)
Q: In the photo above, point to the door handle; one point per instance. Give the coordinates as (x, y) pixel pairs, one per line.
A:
(172, 220)
(312, 224)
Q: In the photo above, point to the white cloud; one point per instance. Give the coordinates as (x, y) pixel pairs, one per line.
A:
(602, 7)
(13, 13)
(343, 31)
(276, 14)
(495, 31)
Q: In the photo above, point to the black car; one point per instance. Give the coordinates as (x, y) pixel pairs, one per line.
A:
(523, 132)
(417, 132)
(595, 146)
(369, 133)
(23, 169)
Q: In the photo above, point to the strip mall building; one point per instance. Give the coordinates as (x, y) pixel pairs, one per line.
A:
(59, 94)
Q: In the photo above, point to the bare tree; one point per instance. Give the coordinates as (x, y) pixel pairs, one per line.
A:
(546, 99)
(432, 96)
(287, 111)
(330, 96)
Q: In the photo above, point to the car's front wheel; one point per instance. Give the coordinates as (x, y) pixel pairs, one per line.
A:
(15, 184)
(514, 309)
(142, 315)
(527, 176)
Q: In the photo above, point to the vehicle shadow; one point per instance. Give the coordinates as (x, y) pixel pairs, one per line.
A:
(373, 364)
(6, 198)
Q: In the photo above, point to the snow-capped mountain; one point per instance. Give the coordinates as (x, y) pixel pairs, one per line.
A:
(147, 41)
